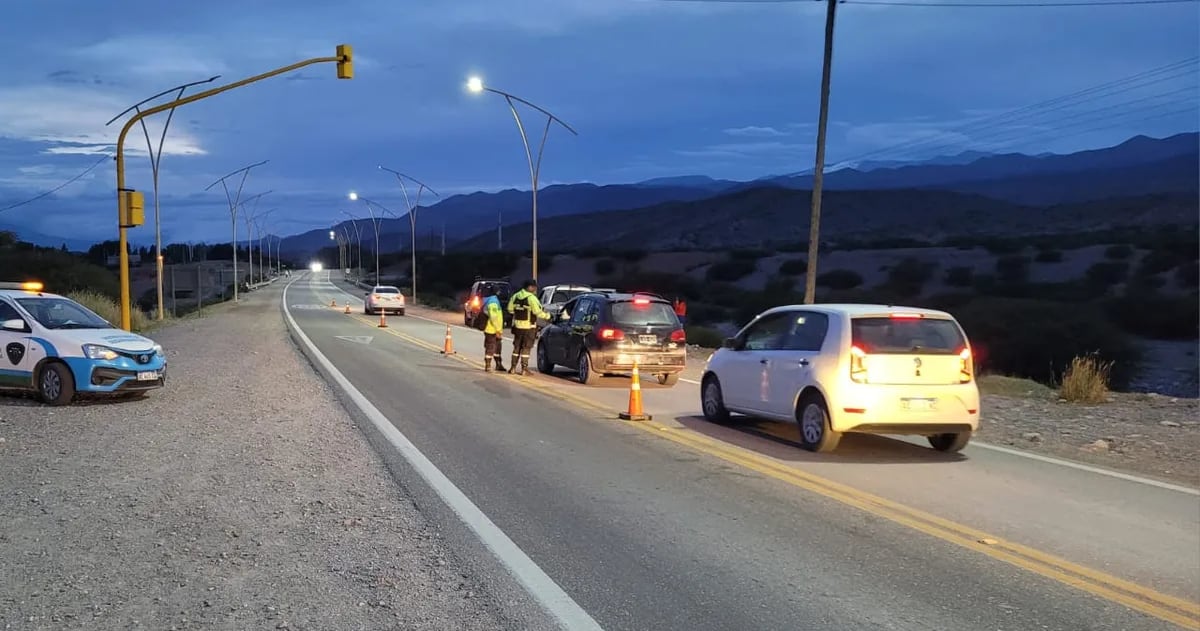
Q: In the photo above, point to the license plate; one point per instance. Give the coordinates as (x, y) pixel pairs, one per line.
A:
(918, 404)
(150, 375)
(648, 339)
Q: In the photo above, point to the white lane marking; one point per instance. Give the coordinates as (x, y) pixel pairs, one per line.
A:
(549, 595)
(357, 339)
(1090, 469)
(1016, 452)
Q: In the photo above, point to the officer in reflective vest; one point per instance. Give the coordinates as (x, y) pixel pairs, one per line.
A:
(525, 309)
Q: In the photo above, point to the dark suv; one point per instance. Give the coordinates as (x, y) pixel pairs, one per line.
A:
(475, 298)
(603, 333)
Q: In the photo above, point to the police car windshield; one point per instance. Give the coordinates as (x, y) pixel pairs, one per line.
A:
(60, 313)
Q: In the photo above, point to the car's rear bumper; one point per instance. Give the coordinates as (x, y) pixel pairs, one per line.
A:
(622, 362)
(894, 410)
(386, 308)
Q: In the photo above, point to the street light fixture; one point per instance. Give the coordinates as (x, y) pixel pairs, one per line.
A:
(413, 205)
(249, 217)
(476, 85)
(235, 201)
(374, 222)
(155, 161)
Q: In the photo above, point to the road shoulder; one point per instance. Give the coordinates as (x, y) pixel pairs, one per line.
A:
(240, 496)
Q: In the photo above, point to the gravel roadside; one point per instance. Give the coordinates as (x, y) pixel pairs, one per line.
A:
(241, 496)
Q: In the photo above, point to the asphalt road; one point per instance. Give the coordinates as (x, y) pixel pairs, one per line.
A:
(681, 525)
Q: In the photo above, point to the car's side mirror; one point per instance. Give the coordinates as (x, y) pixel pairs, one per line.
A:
(366, 293)
(16, 324)
(730, 343)
(563, 316)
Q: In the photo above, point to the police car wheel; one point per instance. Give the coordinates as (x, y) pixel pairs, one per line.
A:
(56, 384)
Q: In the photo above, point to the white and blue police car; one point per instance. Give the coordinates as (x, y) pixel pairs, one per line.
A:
(58, 348)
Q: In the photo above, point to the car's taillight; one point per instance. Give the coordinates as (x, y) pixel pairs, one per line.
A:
(679, 335)
(610, 334)
(966, 367)
(475, 301)
(858, 365)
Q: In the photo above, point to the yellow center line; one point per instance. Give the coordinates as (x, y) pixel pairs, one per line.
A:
(1165, 607)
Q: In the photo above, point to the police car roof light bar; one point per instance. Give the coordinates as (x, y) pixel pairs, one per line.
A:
(27, 285)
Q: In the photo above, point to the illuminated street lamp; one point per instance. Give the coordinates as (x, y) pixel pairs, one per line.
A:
(358, 236)
(475, 85)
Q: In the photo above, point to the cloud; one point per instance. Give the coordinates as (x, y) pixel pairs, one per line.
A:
(71, 120)
(151, 56)
(745, 150)
(753, 131)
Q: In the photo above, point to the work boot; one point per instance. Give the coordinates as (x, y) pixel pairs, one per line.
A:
(524, 365)
(512, 370)
(499, 364)
(487, 364)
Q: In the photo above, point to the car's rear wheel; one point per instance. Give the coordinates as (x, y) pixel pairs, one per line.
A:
(544, 365)
(816, 434)
(668, 379)
(56, 384)
(950, 443)
(712, 402)
(586, 375)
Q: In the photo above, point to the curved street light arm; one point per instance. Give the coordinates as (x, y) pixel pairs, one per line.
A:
(513, 97)
(163, 93)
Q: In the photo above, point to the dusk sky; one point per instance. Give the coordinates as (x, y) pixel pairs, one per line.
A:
(654, 87)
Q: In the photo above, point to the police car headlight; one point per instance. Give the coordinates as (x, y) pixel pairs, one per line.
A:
(158, 350)
(93, 351)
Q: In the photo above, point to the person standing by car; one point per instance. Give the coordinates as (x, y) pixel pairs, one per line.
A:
(681, 310)
(525, 309)
(493, 331)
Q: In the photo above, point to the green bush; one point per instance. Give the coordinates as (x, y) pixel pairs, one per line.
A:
(840, 279)
(908, 277)
(793, 267)
(1038, 339)
(1188, 274)
(1000, 246)
(604, 267)
(960, 276)
(731, 270)
(702, 313)
(1049, 256)
(1107, 273)
(1158, 261)
(1012, 269)
(1156, 316)
(1118, 252)
(704, 337)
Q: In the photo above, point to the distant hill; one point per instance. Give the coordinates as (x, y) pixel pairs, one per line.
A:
(774, 216)
(45, 240)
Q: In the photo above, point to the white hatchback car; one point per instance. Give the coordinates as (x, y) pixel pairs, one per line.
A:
(849, 368)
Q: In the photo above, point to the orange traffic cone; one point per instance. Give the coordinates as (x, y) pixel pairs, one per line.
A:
(448, 345)
(347, 311)
(635, 413)
(333, 303)
(382, 319)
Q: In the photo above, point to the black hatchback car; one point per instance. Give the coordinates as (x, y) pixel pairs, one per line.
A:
(474, 301)
(602, 333)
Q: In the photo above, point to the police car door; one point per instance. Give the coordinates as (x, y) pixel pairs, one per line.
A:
(16, 365)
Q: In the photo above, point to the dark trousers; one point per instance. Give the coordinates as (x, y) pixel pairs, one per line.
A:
(492, 348)
(522, 344)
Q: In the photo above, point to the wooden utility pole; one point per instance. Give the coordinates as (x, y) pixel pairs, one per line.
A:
(814, 228)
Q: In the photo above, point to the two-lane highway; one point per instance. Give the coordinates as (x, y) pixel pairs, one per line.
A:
(678, 525)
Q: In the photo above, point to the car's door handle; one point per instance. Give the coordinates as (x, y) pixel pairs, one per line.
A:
(803, 362)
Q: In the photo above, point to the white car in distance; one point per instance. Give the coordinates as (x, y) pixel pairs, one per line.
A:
(841, 368)
(384, 298)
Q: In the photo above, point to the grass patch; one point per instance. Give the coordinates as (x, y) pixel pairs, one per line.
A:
(1086, 380)
(1001, 385)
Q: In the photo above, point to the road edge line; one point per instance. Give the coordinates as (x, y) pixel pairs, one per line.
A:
(552, 597)
(1062, 462)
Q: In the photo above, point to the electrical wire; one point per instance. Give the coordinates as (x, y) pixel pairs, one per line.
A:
(1007, 5)
(59, 187)
(1144, 79)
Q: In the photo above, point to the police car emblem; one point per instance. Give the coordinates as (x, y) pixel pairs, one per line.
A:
(15, 352)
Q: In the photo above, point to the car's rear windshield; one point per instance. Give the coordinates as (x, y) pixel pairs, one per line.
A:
(562, 295)
(921, 336)
(500, 288)
(635, 313)
(386, 290)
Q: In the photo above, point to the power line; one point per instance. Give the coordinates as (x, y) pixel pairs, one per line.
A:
(1138, 80)
(59, 187)
(1007, 5)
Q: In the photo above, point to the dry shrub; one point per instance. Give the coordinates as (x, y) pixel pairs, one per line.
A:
(108, 309)
(1086, 380)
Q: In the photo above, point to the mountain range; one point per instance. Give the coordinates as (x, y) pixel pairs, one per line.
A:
(982, 186)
